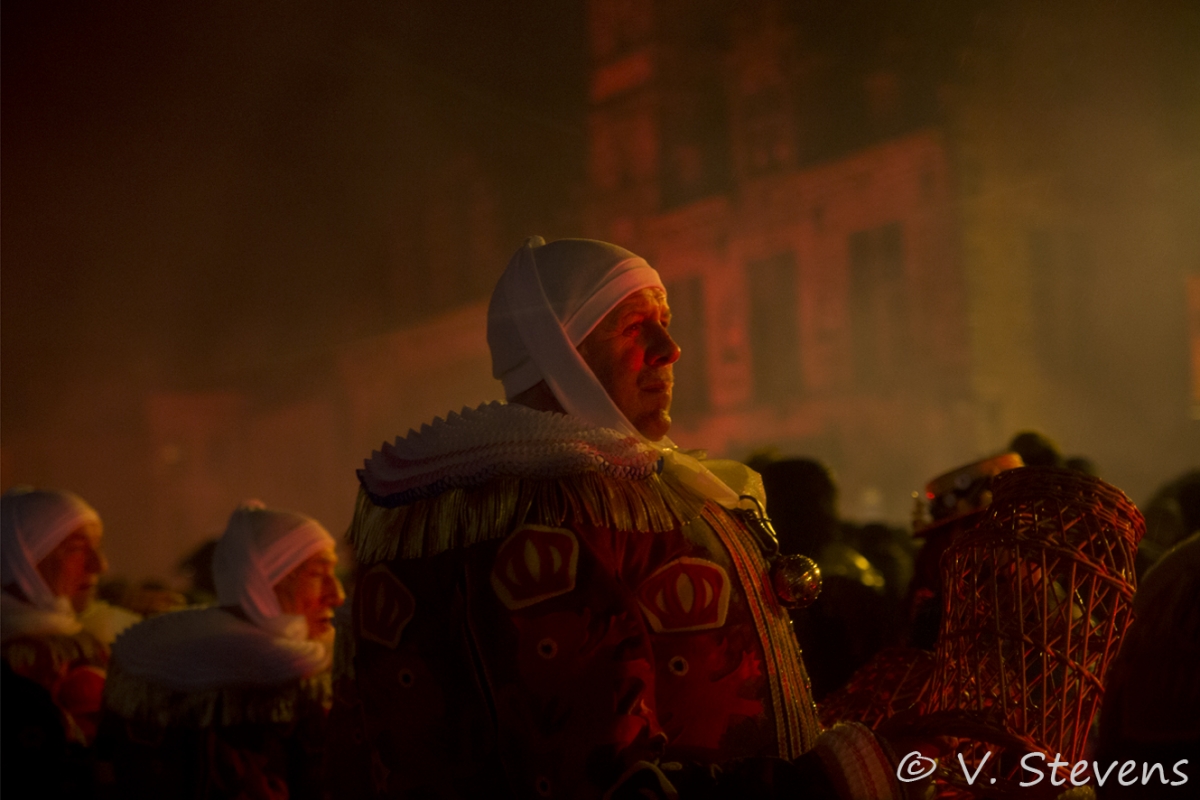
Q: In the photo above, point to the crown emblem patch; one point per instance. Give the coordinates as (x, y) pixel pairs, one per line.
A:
(385, 606)
(688, 594)
(534, 564)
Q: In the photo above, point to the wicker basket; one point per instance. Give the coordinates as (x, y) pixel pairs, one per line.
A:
(1036, 599)
(894, 681)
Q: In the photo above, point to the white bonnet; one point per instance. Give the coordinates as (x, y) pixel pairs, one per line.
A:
(582, 280)
(259, 547)
(35, 521)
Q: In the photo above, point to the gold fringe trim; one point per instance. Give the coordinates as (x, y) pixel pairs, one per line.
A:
(459, 518)
(141, 700)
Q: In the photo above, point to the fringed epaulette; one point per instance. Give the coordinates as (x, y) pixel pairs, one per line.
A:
(478, 474)
(463, 517)
(148, 702)
(51, 654)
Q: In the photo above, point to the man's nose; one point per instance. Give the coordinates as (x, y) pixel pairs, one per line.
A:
(335, 595)
(662, 349)
(97, 564)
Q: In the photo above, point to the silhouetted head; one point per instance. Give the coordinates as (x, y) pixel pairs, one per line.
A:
(1036, 450)
(802, 504)
(1188, 497)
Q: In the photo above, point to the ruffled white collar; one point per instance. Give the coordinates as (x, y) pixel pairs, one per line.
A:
(498, 440)
(200, 649)
(18, 618)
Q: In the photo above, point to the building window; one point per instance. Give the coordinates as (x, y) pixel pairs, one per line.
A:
(766, 135)
(878, 322)
(690, 398)
(774, 329)
(695, 145)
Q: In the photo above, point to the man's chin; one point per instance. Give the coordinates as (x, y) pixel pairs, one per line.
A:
(322, 631)
(655, 425)
(82, 599)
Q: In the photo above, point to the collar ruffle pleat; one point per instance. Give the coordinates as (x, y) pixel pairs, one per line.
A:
(477, 474)
(204, 666)
(19, 618)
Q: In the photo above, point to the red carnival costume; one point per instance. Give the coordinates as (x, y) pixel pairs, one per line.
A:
(548, 607)
(224, 702)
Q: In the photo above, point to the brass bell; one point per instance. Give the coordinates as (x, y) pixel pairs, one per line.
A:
(797, 580)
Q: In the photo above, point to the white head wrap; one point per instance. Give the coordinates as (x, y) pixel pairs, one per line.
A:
(550, 297)
(259, 547)
(35, 521)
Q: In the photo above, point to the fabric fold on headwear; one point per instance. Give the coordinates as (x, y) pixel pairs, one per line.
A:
(32, 523)
(545, 339)
(550, 297)
(259, 547)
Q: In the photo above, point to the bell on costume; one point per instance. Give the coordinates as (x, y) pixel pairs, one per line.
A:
(797, 580)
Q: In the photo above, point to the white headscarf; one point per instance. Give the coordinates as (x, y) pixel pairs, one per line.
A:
(34, 522)
(259, 547)
(548, 300)
(550, 297)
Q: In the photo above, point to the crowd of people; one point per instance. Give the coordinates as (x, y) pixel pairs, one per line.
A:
(550, 600)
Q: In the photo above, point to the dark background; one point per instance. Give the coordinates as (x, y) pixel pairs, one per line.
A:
(191, 189)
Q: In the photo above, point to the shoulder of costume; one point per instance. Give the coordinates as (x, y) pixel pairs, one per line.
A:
(744, 481)
(476, 474)
(204, 666)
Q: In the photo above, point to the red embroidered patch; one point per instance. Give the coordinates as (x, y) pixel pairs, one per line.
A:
(534, 564)
(688, 594)
(385, 606)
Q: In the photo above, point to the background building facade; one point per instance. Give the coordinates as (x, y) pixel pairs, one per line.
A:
(894, 234)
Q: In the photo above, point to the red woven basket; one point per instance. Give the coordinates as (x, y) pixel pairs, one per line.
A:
(894, 681)
(1036, 599)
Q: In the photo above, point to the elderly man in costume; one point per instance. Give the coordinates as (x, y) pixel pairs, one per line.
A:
(53, 634)
(230, 700)
(555, 601)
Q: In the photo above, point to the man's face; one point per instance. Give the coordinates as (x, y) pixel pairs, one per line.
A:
(631, 354)
(313, 591)
(73, 568)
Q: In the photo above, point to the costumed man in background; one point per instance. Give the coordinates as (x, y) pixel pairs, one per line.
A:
(55, 644)
(554, 601)
(230, 701)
